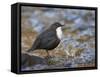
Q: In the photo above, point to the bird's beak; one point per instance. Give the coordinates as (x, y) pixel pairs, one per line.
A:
(63, 25)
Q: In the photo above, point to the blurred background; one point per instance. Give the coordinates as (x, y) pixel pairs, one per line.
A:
(77, 48)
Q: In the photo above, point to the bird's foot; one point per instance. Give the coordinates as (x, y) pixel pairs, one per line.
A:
(48, 57)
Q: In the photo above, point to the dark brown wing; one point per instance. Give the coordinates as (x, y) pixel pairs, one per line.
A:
(48, 40)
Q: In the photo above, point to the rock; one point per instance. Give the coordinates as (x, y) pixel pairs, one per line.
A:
(40, 67)
(28, 61)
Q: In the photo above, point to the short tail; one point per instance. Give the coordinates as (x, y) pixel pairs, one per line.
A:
(32, 48)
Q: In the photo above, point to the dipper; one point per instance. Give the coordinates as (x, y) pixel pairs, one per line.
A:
(49, 39)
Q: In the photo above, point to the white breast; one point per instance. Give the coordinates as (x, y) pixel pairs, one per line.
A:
(59, 33)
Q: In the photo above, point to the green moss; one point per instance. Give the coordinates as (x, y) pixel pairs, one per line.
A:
(52, 62)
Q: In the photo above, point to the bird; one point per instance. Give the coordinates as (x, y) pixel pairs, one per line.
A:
(48, 39)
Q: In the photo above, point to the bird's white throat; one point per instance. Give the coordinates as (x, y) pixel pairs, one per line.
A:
(59, 33)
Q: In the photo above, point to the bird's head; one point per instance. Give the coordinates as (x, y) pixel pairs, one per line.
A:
(57, 24)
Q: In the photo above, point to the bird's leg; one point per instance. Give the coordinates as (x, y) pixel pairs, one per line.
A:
(48, 55)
